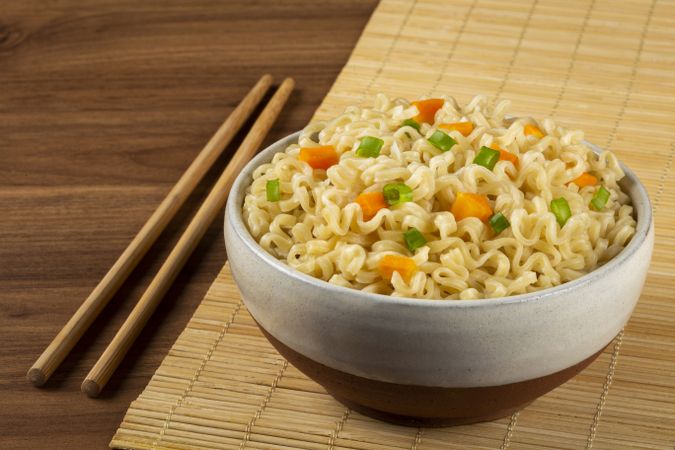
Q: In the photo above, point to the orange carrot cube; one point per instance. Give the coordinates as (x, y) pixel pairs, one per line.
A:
(319, 157)
(371, 203)
(406, 267)
(465, 128)
(508, 156)
(533, 130)
(427, 109)
(471, 205)
(585, 179)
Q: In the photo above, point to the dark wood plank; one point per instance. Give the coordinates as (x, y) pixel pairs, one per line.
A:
(103, 104)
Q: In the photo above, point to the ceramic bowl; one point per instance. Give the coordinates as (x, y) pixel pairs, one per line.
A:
(426, 362)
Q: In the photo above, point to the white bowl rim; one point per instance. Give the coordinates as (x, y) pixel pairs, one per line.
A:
(234, 213)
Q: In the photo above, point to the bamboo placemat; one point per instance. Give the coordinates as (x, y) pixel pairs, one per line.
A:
(604, 66)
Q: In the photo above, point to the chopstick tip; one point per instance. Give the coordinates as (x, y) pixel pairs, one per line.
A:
(266, 79)
(36, 377)
(288, 81)
(91, 388)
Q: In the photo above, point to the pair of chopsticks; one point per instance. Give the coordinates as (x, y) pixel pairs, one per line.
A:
(64, 341)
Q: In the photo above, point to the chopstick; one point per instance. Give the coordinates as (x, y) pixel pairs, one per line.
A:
(64, 341)
(127, 334)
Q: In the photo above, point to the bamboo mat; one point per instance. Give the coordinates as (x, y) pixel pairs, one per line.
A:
(604, 66)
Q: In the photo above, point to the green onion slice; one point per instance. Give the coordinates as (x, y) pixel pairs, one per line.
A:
(487, 157)
(411, 123)
(600, 198)
(499, 223)
(395, 193)
(414, 239)
(273, 190)
(561, 210)
(442, 141)
(369, 147)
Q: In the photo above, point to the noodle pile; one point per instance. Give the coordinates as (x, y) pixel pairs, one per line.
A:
(317, 227)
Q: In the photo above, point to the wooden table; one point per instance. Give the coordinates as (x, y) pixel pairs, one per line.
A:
(102, 106)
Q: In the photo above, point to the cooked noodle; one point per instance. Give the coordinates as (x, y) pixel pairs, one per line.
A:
(319, 229)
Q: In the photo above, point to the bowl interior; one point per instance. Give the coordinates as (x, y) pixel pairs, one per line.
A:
(630, 184)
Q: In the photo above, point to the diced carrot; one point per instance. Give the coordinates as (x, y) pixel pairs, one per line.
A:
(533, 130)
(508, 156)
(495, 146)
(471, 205)
(463, 127)
(371, 203)
(427, 109)
(319, 157)
(585, 179)
(406, 267)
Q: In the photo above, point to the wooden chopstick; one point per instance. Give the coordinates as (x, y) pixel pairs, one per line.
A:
(64, 341)
(113, 355)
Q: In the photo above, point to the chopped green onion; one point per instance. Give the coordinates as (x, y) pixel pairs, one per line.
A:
(600, 198)
(561, 210)
(411, 123)
(441, 141)
(499, 223)
(486, 157)
(369, 147)
(413, 239)
(395, 193)
(273, 190)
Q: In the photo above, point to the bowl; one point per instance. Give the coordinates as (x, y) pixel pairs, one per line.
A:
(429, 362)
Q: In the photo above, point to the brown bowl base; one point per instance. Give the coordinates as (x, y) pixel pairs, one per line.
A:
(426, 422)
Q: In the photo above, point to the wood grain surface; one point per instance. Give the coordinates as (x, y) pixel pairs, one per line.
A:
(103, 104)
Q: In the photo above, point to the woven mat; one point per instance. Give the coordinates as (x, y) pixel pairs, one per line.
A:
(605, 66)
